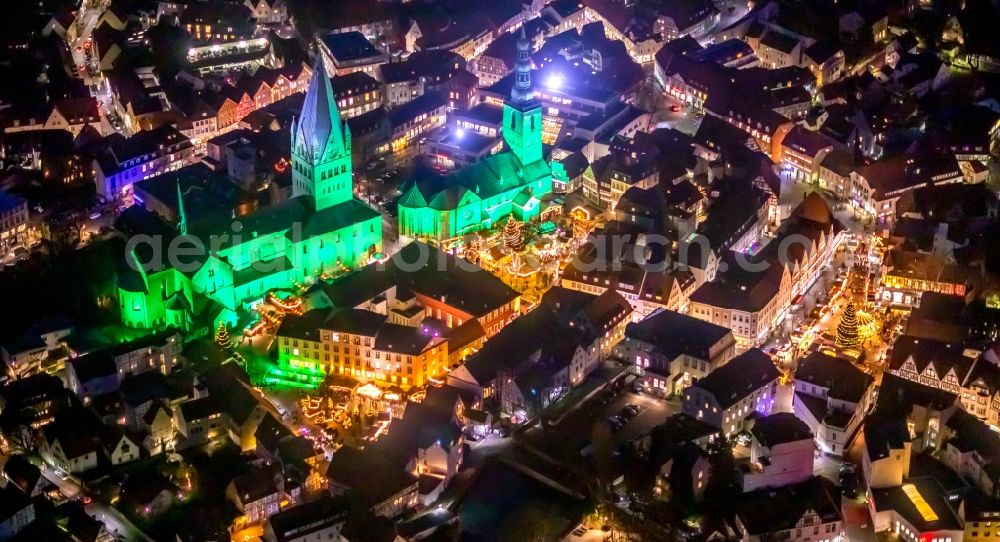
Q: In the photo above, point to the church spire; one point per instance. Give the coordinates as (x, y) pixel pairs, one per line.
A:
(321, 145)
(522, 93)
(182, 225)
(319, 131)
(522, 113)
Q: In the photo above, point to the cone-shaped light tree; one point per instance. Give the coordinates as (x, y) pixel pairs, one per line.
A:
(848, 335)
(513, 235)
(222, 337)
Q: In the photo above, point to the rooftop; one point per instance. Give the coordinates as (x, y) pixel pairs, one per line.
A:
(740, 377)
(300, 521)
(922, 502)
(780, 428)
(778, 509)
(841, 378)
(349, 46)
(674, 334)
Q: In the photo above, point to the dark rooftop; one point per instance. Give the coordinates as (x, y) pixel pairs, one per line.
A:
(842, 379)
(735, 380)
(780, 428)
(348, 46)
(674, 334)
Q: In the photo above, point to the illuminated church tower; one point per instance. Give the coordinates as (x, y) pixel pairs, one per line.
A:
(522, 113)
(321, 146)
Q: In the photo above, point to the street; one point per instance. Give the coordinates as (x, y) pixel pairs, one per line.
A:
(113, 520)
(79, 40)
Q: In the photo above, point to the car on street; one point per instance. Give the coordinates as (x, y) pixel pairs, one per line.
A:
(95, 215)
(629, 411)
(675, 108)
(849, 484)
(616, 423)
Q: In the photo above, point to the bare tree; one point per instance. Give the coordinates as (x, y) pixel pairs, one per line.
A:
(650, 98)
(61, 233)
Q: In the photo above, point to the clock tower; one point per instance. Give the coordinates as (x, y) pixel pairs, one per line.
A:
(522, 113)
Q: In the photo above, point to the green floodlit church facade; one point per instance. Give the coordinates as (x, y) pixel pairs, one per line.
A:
(481, 195)
(320, 229)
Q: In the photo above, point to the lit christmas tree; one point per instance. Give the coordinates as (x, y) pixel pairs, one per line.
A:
(513, 235)
(847, 331)
(222, 337)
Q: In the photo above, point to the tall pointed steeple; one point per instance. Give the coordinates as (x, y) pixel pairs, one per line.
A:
(321, 145)
(320, 128)
(522, 92)
(182, 225)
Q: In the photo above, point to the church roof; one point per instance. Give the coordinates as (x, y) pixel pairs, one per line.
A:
(331, 219)
(488, 177)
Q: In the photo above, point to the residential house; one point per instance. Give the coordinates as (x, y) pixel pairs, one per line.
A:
(521, 371)
(356, 93)
(809, 510)
(117, 446)
(160, 427)
(728, 395)
(426, 442)
(70, 114)
(268, 12)
(673, 349)
(951, 367)
(781, 452)
(832, 397)
(885, 460)
(803, 151)
(383, 488)
(751, 303)
(147, 494)
(321, 519)
(125, 161)
(420, 72)
(261, 493)
(972, 450)
(71, 442)
(619, 258)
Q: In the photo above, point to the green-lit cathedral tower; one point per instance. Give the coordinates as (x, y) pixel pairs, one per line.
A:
(321, 146)
(522, 113)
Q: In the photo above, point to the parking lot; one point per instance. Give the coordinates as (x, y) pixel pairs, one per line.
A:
(572, 434)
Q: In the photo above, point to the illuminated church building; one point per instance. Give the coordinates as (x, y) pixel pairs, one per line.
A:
(322, 228)
(481, 195)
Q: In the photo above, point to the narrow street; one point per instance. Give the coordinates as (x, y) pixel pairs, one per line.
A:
(113, 520)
